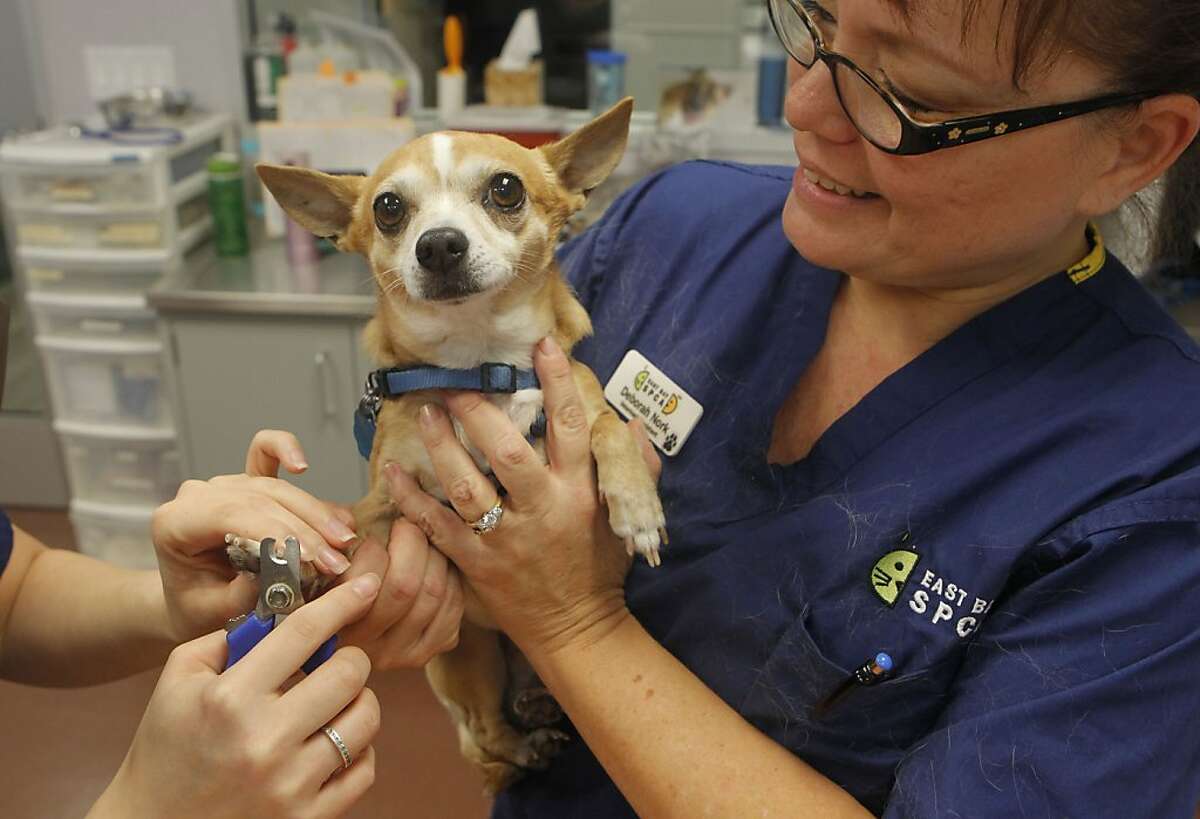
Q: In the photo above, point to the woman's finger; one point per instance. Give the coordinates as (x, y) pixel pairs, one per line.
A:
(465, 486)
(356, 726)
(257, 520)
(513, 460)
(281, 653)
(344, 513)
(568, 438)
(321, 696)
(316, 513)
(340, 792)
(404, 566)
(370, 556)
(442, 632)
(646, 447)
(272, 447)
(443, 527)
(202, 655)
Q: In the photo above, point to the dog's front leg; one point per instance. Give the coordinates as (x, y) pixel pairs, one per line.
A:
(626, 484)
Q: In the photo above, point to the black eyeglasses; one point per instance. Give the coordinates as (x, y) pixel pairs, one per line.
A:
(882, 119)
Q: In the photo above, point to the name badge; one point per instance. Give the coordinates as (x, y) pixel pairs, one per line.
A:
(638, 389)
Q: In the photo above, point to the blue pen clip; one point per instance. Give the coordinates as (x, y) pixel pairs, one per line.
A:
(279, 594)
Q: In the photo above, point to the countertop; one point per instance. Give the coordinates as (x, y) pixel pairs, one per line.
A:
(339, 285)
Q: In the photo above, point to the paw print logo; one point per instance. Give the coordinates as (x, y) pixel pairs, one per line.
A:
(669, 444)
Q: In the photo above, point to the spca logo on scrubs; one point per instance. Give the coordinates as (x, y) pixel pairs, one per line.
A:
(941, 600)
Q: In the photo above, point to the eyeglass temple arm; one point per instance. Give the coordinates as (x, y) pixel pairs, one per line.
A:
(974, 129)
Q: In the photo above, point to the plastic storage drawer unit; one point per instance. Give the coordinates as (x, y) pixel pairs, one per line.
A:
(107, 466)
(111, 382)
(79, 316)
(118, 534)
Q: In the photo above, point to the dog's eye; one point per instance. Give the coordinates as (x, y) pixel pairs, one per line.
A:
(506, 191)
(389, 211)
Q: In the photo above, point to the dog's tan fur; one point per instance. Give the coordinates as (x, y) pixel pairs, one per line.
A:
(439, 176)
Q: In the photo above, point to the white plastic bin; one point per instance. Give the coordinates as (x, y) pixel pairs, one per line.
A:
(50, 272)
(118, 534)
(71, 315)
(101, 186)
(112, 382)
(116, 466)
(133, 230)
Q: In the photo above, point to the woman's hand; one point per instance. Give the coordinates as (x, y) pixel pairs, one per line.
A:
(552, 572)
(202, 589)
(238, 743)
(420, 606)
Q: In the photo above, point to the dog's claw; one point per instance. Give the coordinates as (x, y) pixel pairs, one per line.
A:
(637, 518)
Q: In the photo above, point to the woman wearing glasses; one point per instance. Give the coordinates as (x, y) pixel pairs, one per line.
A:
(935, 537)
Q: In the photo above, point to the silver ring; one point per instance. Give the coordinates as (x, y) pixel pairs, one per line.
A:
(490, 519)
(336, 739)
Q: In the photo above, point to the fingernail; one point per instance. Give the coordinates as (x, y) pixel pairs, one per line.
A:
(340, 531)
(390, 471)
(298, 461)
(366, 586)
(334, 560)
(548, 346)
(429, 415)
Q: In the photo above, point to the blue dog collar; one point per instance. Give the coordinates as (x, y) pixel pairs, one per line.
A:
(490, 378)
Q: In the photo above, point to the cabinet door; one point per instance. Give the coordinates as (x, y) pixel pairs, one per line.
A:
(236, 376)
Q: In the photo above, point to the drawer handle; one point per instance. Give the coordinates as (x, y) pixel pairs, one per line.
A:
(323, 363)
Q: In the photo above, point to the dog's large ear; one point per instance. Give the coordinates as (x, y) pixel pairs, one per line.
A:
(585, 158)
(318, 201)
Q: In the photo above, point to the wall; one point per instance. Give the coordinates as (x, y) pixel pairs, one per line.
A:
(18, 93)
(203, 34)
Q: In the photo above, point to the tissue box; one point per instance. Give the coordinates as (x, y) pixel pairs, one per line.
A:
(513, 88)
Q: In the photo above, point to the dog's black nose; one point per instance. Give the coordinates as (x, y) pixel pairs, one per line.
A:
(442, 250)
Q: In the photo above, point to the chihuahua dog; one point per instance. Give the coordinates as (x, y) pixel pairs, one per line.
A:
(460, 231)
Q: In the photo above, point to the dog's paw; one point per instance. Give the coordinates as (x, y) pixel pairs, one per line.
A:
(636, 516)
(240, 555)
(536, 708)
(541, 746)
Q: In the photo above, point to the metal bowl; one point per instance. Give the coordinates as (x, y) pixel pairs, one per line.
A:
(144, 106)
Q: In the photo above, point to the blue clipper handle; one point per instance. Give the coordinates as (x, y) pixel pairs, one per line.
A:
(320, 655)
(250, 633)
(246, 636)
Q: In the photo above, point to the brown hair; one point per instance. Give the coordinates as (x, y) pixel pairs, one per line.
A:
(1145, 45)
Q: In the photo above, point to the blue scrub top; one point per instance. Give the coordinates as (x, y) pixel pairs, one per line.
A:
(1013, 516)
(6, 540)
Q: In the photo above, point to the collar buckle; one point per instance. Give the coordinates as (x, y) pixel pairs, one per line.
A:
(497, 378)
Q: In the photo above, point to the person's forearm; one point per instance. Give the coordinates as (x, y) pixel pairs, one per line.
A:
(672, 746)
(80, 621)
